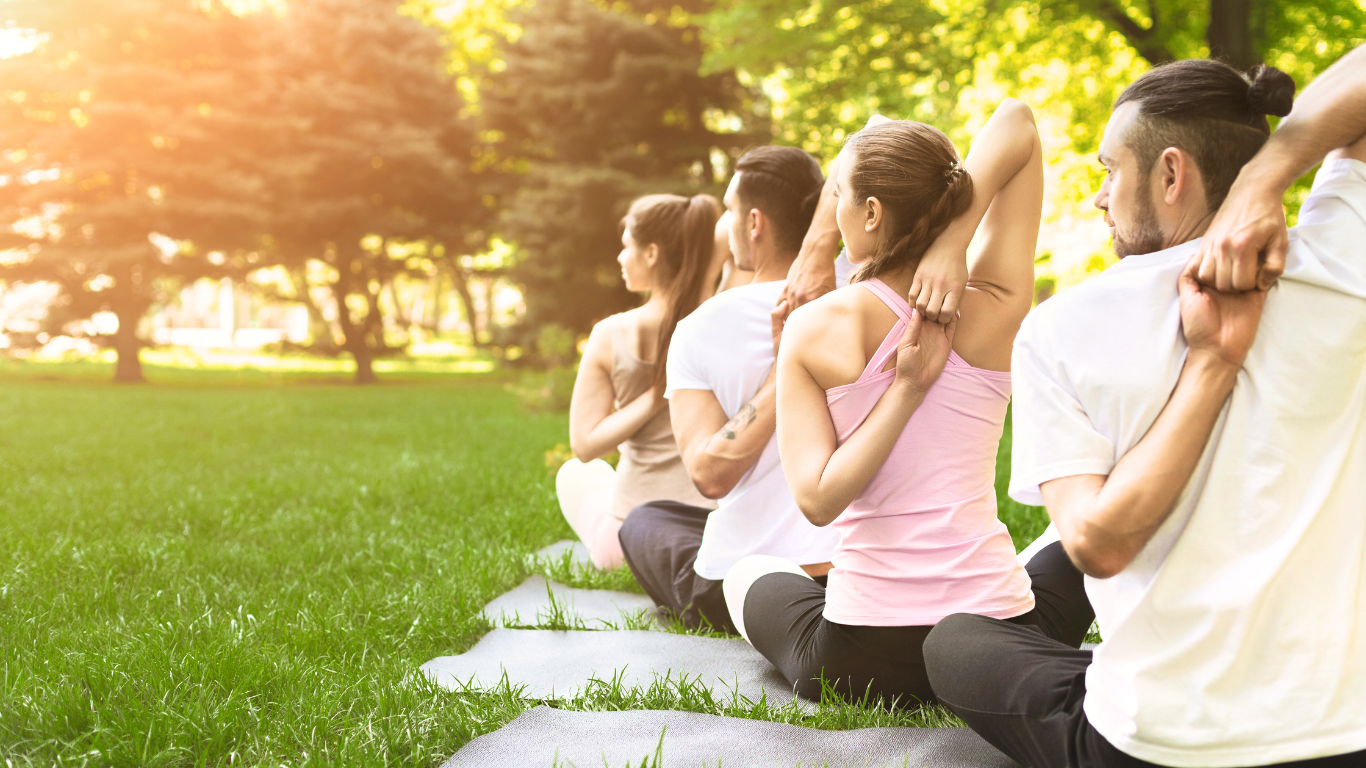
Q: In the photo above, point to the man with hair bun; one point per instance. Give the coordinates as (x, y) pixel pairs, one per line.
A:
(1194, 419)
(721, 390)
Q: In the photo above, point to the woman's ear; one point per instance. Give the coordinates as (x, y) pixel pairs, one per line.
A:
(652, 254)
(873, 214)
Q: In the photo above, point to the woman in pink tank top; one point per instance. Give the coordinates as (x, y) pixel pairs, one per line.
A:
(888, 422)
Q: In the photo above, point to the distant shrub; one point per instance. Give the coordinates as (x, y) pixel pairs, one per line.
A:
(546, 391)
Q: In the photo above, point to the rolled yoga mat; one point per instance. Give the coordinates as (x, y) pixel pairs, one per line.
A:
(552, 664)
(546, 737)
(540, 601)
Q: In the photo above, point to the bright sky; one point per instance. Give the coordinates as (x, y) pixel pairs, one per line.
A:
(16, 41)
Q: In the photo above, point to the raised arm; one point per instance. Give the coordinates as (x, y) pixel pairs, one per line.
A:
(1106, 520)
(812, 274)
(1006, 164)
(1246, 242)
(596, 426)
(825, 477)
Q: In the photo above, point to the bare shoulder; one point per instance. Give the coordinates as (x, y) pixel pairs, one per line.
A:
(598, 348)
(826, 336)
(819, 318)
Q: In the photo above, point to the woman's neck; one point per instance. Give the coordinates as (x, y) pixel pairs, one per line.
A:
(899, 280)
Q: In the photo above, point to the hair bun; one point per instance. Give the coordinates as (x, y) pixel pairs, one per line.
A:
(1272, 92)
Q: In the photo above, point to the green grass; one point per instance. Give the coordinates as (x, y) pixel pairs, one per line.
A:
(222, 570)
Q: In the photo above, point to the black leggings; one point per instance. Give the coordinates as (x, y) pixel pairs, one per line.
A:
(783, 617)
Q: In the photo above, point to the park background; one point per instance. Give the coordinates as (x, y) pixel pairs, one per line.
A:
(248, 204)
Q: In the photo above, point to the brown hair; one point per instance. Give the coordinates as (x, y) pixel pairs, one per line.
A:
(683, 229)
(914, 171)
(785, 183)
(1209, 110)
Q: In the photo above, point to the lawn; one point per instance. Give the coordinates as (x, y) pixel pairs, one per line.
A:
(223, 569)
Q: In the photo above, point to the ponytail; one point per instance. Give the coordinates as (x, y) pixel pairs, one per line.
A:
(684, 229)
(914, 171)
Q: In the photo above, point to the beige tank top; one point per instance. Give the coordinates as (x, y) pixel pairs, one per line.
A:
(651, 468)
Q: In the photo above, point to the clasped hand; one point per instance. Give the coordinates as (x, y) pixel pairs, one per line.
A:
(923, 351)
(1220, 326)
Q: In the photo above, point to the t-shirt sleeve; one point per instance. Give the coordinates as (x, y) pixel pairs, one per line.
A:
(1332, 221)
(685, 366)
(1052, 436)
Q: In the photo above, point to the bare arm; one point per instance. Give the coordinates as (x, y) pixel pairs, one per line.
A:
(718, 451)
(824, 476)
(1105, 521)
(1246, 242)
(596, 426)
(1006, 165)
(812, 274)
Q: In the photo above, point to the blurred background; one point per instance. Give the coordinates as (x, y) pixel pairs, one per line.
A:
(372, 185)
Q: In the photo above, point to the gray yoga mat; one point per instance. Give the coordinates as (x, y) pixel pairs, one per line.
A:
(578, 552)
(541, 737)
(553, 664)
(531, 604)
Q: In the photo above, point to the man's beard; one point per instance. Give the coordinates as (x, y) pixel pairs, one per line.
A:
(1146, 236)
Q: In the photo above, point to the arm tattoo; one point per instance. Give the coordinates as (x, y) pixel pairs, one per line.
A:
(743, 418)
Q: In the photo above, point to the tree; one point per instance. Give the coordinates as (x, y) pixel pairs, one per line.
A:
(839, 62)
(592, 107)
(119, 126)
(372, 155)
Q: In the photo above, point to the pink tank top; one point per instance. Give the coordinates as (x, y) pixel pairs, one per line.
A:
(923, 541)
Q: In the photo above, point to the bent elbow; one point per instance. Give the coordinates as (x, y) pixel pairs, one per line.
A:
(1094, 560)
(712, 488)
(1017, 110)
(582, 450)
(817, 514)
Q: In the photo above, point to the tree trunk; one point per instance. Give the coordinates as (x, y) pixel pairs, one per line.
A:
(1230, 33)
(365, 358)
(462, 288)
(128, 366)
(323, 333)
(353, 334)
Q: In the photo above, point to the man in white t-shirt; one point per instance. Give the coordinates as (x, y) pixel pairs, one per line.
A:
(721, 392)
(1202, 454)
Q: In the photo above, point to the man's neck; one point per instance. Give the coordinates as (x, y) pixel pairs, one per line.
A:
(1191, 226)
(773, 267)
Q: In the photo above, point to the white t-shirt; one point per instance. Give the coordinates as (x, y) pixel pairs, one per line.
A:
(843, 268)
(726, 347)
(1237, 636)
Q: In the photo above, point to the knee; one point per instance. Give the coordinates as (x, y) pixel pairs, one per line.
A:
(742, 575)
(952, 648)
(636, 527)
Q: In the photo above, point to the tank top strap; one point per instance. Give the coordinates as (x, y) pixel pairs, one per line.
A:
(618, 339)
(893, 300)
(887, 350)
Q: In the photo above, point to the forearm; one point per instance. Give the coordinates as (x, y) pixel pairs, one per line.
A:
(1103, 533)
(1329, 114)
(614, 429)
(820, 246)
(840, 476)
(732, 450)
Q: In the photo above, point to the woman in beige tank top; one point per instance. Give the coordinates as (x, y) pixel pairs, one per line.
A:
(668, 251)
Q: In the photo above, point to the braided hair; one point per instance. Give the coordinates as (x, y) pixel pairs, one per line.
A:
(914, 171)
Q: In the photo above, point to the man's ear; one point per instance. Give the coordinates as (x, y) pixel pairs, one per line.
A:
(873, 214)
(1177, 174)
(757, 224)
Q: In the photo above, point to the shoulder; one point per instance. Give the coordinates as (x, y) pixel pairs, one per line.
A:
(837, 307)
(723, 308)
(598, 348)
(1116, 298)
